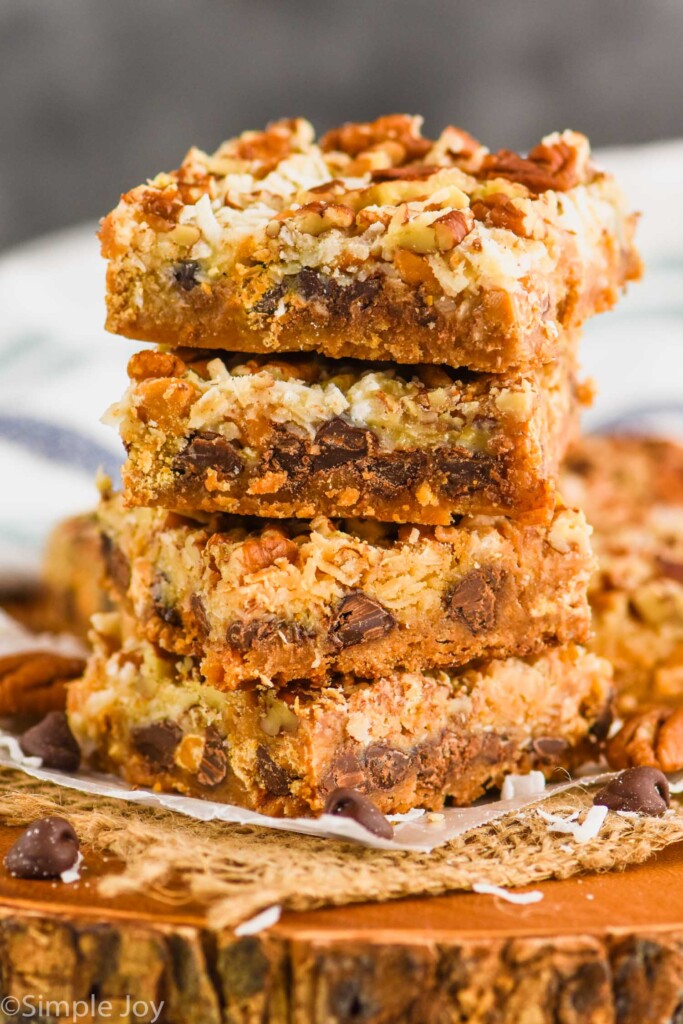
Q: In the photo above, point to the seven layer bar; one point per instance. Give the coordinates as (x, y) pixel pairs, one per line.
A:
(407, 622)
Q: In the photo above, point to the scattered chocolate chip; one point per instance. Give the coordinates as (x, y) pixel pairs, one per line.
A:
(672, 570)
(214, 763)
(208, 450)
(386, 767)
(349, 803)
(157, 742)
(274, 778)
(337, 298)
(270, 300)
(549, 748)
(52, 741)
(642, 789)
(45, 849)
(360, 619)
(473, 599)
(242, 635)
(116, 564)
(337, 442)
(185, 274)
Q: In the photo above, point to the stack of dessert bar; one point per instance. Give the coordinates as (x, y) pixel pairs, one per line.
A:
(340, 558)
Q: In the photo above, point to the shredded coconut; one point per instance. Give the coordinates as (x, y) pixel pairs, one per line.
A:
(580, 833)
(73, 874)
(520, 898)
(265, 919)
(522, 785)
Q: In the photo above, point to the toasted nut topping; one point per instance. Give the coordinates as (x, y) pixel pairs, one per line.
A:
(560, 162)
(653, 737)
(149, 364)
(278, 718)
(314, 218)
(259, 552)
(354, 138)
(165, 402)
(500, 211)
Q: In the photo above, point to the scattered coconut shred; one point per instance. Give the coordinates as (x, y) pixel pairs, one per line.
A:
(519, 898)
(581, 832)
(265, 919)
(73, 874)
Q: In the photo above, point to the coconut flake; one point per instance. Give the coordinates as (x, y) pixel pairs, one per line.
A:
(73, 874)
(580, 833)
(265, 919)
(515, 786)
(519, 898)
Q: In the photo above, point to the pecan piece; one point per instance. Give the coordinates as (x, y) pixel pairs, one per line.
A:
(359, 620)
(213, 766)
(500, 211)
(34, 682)
(147, 364)
(653, 737)
(260, 552)
(354, 138)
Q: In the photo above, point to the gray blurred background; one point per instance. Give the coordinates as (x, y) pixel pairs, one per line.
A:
(96, 95)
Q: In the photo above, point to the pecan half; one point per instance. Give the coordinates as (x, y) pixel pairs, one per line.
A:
(354, 138)
(500, 211)
(148, 364)
(653, 737)
(34, 682)
(260, 552)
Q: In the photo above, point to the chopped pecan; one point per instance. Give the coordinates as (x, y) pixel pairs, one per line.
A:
(260, 552)
(34, 682)
(500, 211)
(316, 217)
(148, 364)
(165, 402)
(652, 737)
(559, 163)
(160, 207)
(354, 138)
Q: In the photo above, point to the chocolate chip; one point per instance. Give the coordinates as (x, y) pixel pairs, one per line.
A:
(47, 848)
(600, 728)
(274, 778)
(386, 767)
(157, 742)
(642, 789)
(345, 771)
(337, 298)
(167, 612)
(473, 599)
(242, 635)
(672, 570)
(214, 763)
(359, 620)
(52, 741)
(394, 471)
(185, 274)
(467, 473)
(349, 803)
(208, 450)
(312, 285)
(287, 454)
(116, 564)
(337, 442)
(549, 748)
(270, 300)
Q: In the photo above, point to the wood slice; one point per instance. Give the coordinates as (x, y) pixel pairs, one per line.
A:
(603, 949)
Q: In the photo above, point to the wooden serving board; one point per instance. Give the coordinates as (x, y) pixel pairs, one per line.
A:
(599, 949)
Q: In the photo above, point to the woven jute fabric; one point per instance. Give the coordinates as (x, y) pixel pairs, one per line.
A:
(236, 870)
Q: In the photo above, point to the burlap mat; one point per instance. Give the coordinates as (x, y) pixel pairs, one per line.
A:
(237, 870)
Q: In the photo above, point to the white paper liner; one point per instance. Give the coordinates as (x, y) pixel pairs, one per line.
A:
(412, 831)
(15, 639)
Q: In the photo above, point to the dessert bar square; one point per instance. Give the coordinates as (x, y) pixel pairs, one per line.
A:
(301, 436)
(373, 243)
(632, 491)
(290, 599)
(404, 739)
